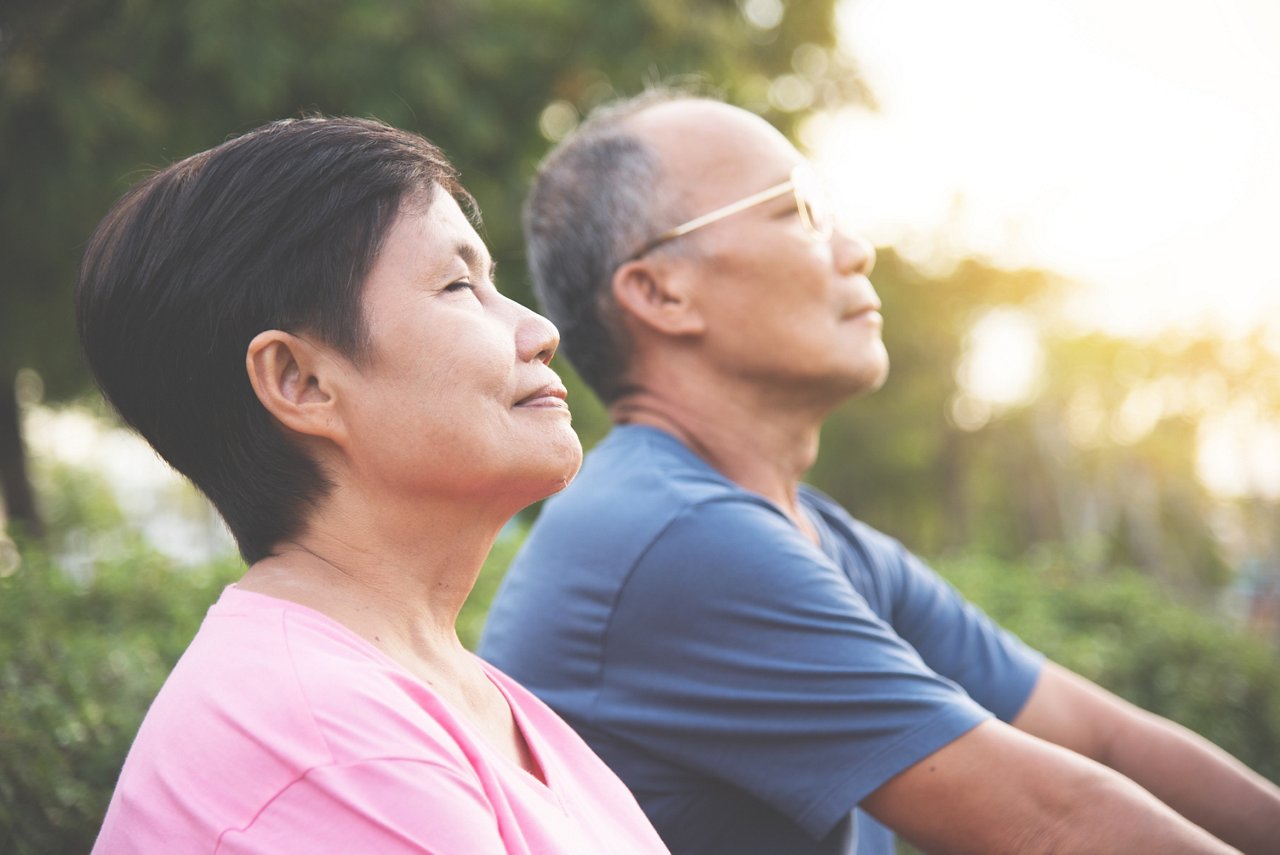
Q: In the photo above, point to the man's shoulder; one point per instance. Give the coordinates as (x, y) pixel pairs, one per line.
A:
(641, 484)
(869, 542)
(644, 504)
(632, 485)
(635, 461)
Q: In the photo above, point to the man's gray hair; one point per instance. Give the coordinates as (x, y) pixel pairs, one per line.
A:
(591, 206)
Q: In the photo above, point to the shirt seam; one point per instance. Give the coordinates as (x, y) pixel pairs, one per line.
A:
(321, 767)
(682, 511)
(654, 439)
(286, 631)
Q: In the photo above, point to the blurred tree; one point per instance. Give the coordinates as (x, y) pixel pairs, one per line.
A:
(896, 458)
(93, 93)
(1105, 453)
(1121, 428)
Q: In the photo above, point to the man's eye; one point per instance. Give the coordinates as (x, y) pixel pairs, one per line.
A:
(460, 285)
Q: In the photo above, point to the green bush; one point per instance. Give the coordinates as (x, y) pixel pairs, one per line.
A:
(1119, 629)
(81, 659)
(80, 662)
(476, 608)
(79, 665)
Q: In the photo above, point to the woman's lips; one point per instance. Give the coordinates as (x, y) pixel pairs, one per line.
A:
(551, 395)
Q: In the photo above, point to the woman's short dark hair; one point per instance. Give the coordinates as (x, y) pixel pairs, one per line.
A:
(275, 229)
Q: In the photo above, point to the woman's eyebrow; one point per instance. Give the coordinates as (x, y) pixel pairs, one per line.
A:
(473, 258)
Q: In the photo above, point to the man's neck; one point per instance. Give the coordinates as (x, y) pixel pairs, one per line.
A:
(759, 446)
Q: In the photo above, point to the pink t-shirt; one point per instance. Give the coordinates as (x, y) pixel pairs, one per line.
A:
(282, 731)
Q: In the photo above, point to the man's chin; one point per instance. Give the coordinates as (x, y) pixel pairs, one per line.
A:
(870, 378)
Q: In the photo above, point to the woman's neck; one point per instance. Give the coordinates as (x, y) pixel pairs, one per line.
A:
(399, 580)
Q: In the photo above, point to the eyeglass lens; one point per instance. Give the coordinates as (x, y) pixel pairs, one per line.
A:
(815, 207)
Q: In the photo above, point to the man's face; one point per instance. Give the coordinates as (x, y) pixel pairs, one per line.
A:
(785, 310)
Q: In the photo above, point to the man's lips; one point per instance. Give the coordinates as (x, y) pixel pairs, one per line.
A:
(863, 301)
(550, 395)
(870, 311)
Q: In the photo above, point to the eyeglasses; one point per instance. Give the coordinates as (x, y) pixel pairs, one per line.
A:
(810, 199)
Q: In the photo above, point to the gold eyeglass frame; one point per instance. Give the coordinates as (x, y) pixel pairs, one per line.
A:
(801, 178)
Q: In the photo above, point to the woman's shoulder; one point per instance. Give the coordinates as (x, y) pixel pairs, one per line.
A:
(267, 676)
(266, 696)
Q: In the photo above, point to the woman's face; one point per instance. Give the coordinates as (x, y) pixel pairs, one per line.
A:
(455, 398)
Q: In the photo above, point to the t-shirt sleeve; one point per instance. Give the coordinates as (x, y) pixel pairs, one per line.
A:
(739, 650)
(956, 639)
(385, 806)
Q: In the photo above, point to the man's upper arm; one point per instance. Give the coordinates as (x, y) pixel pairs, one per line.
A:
(741, 651)
(953, 636)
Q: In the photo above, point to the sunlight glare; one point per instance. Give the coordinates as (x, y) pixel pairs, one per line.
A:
(1239, 454)
(1127, 144)
(1002, 359)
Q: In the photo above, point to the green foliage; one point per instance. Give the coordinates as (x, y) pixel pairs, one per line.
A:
(80, 662)
(1120, 630)
(76, 502)
(79, 665)
(94, 93)
(476, 608)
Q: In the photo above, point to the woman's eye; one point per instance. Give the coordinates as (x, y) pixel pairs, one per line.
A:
(460, 285)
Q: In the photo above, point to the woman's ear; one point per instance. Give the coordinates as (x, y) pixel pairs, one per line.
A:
(657, 299)
(292, 378)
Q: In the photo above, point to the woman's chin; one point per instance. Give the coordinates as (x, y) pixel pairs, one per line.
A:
(563, 477)
(551, 473)
(568, 456)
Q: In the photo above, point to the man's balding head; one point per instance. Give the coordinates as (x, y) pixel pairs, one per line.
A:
(612, 275)
(633, 170)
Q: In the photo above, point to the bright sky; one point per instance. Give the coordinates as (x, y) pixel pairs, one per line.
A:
(1133, 145)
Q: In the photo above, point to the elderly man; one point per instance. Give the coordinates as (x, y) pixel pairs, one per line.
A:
(766, 673)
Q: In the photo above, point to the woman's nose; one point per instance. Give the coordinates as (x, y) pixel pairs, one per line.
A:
(536, 337)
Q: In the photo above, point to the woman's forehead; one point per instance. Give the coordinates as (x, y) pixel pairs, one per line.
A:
(433, 238)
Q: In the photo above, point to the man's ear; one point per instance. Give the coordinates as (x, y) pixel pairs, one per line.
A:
(657, 299)
(292, 378)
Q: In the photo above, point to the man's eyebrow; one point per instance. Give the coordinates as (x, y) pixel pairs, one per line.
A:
(473, 258)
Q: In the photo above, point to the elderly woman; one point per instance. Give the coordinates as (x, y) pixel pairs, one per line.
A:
(304, 322)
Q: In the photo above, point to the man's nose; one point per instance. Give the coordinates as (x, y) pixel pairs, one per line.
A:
(852, 254)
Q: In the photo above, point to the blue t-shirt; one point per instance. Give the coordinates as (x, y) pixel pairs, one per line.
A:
(749, 687)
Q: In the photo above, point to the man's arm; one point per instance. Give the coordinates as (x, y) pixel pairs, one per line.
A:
(997, 790)
(1186, 772)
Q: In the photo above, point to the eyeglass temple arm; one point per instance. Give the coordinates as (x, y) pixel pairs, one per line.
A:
(718, 214)
(727, 211)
